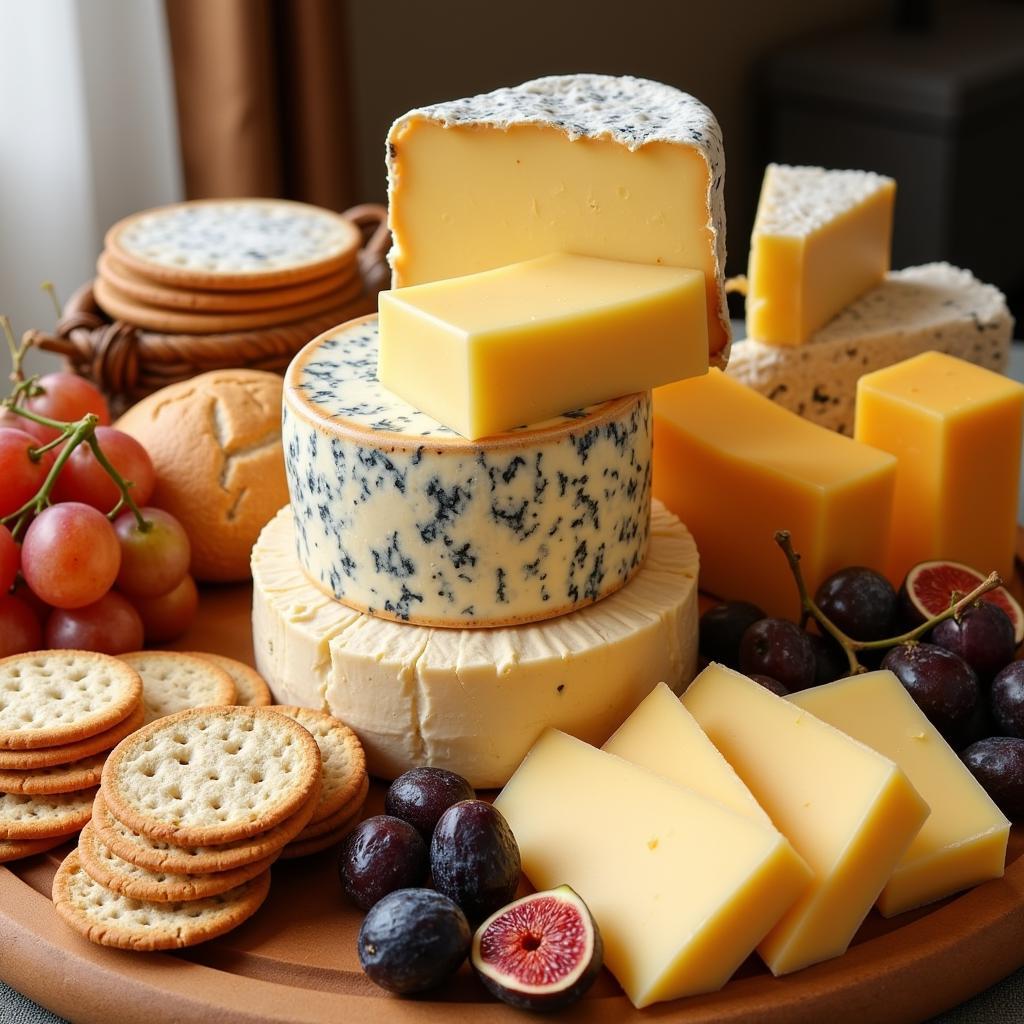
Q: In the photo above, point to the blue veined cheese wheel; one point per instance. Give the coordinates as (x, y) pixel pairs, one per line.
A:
(475, 700)
(402, 518)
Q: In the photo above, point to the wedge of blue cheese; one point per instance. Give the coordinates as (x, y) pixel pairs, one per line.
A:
(398, 516)
(935, 307)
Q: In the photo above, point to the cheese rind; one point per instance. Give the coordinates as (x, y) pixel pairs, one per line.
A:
(400, 517)
(933, 307)
(663, 737)
(681, 888)
(473, 701)
(955, 430)
(737, 468)
(963, 842)
(848, 811)
(821, 239)
(618, 168)
(520, 344)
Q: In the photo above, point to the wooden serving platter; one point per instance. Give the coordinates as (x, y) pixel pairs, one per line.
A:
(296, 962)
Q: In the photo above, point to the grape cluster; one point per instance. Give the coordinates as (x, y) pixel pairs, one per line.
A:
(961, 672)
(84, 571)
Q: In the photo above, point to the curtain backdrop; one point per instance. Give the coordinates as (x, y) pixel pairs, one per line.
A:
(263, 98)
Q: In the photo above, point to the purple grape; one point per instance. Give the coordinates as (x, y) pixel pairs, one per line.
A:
(982, 635)
(722, 629)
(380, 855)
(773, 685)
(998, 764)
(860, 601)
(830, 661)
(1007, 699)
(780, 650)
(421, 795)
(944, 686)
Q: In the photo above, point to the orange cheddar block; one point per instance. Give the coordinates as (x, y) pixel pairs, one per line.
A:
(736, 467)
(956, 430)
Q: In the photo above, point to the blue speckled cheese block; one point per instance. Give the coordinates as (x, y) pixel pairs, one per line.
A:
(398, 516)
(935, 307)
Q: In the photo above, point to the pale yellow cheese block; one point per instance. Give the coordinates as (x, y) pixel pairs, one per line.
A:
(662, 736)
(488, 352)
(848, 811)
(821, 239)
(963, 842)
(681, 888)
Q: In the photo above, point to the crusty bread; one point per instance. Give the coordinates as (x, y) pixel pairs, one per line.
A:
(215, 441)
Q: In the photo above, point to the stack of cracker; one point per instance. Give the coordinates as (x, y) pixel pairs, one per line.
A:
(191, 812)
(222, 265)
(61, 713)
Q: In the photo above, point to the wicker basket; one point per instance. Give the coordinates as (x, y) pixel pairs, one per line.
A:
(128, 362)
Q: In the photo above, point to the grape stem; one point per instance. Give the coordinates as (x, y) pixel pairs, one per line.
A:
(850, 647)
(72, 434)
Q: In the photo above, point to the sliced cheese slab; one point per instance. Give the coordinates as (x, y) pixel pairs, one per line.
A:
(662, 736)
(618, 168)
(519, 344)
(955, 430)
(848, 811)
(681, 888)
(963, 842)
(934, 307)
(400, 517)
(737, 468)
(821, 239)
(473, 701)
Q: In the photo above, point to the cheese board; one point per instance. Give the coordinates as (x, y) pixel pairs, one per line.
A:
(295, 961)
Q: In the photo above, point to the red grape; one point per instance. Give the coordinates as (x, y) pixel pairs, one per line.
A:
(722, 628)
(860, 601)
(67, 397)
(942, 684)
(111, 626)
(10, 556)
(169, 615)
(22, 477)
(153, 561)
(70, 556)
(82, 478)
(19, 628)
(778, 649)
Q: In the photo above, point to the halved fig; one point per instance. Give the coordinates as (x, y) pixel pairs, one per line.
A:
(541, 952)
(930, 587)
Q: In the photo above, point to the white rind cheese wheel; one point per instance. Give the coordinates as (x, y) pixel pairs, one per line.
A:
(919, 309)
(399, 516)
(474, 701)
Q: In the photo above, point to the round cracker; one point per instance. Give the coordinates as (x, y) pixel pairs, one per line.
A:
(251, 688)
(173, 682)
(48, 757)
(127, 879)
(306, 847)
(48, 698)
(16, 849)
(171, 321)
(335, 821)
(42, 817)
(61, 778)
(344, 761)
(234, 244)
(211, 775)
(151, 293)
(108, 919)
(155, 855)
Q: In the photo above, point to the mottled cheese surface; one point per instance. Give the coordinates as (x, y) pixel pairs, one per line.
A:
(401, 517)
(474, 700)
(641, 116)
(804, 199)
(237, 236)
(932, 307)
